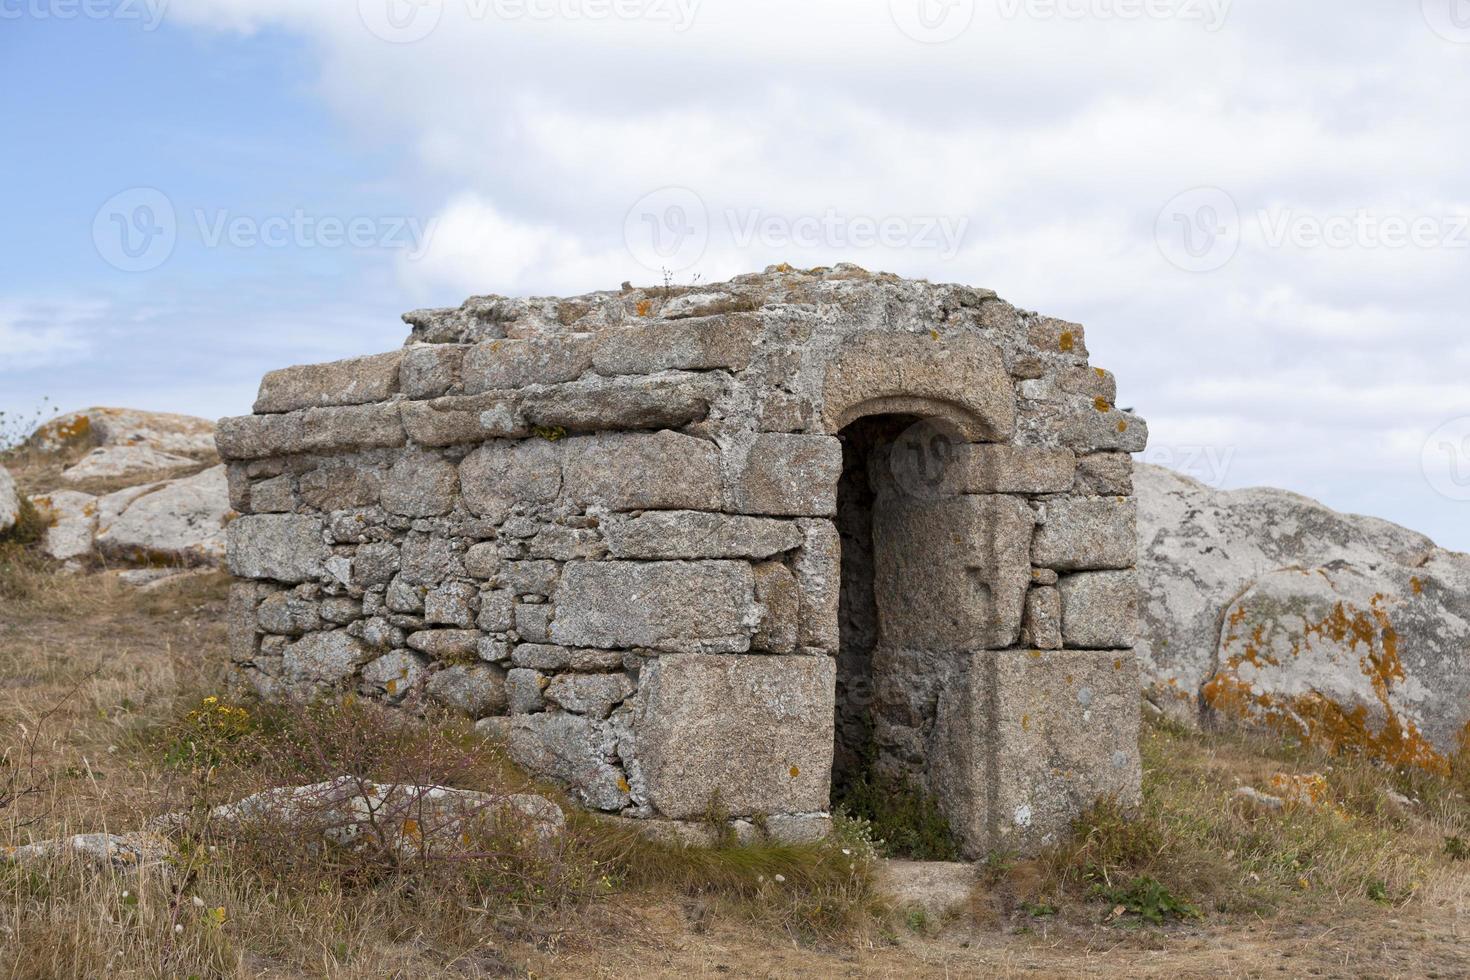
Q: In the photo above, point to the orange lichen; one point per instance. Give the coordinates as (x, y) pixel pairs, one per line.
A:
(623, 784)
(1100, 372)
(795, 771)
(1101, 404)
(643, 307)
(1416, 585)
(1313, 716)
(76, 430)
(1066, 341)
(1122, 426)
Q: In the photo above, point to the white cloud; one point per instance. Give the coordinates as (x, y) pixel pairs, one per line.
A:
(1056, 141)
(34, 334)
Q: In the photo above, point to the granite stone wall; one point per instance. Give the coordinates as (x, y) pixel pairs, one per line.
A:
(607, 527)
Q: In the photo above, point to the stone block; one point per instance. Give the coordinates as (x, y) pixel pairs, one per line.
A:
(593, 695)
(325, 658)
(777, 592)
(446, 644)
(563, 543)
(375, 564)
(998, 468)
(524, 691)
(1058, 337)
(482, 560)
(1099, 610)
(431, 370)
(330, 430)
(1087, 533)
(393, 675)
(951, 573)
(961, 377)
(456, 419)
(505, 364)
(642, 471)
(497, 610)
(420, 485)
(1027, 740)
(429, 559)
(754, 731)
(358, 381)
(786, 475)
(403, 596)
(493, 649)
(818, 569)
(1093, 382)
(667, 401)
(276, 495)
(281, 547)
(538, 577)
(1105, 474)
(533, 622)
(573, 750)
(545, 656)
(341, 485)
(340, 610)
(704, 606)
(477, 690)
(501, 473)
(1104, 429)
(243, 624)
(452, 604)
(674, 534)
(288, 614)
(258, 436)
(1042, 629)
(697, 344)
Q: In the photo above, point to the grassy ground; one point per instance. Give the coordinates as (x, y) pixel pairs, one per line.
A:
(107, 684)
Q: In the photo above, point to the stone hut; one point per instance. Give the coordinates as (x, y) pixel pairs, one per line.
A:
(727, 545)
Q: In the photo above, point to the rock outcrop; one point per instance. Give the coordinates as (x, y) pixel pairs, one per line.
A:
(163, 432)
(153, 519)
(181, 522)
(9, 501)
(1267, 607)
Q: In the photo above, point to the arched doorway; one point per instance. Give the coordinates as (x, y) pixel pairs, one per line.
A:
(930, 575)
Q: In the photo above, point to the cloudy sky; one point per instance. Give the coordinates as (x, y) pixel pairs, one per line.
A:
(1260, 210)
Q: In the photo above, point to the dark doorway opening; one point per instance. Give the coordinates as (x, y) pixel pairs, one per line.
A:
(866, 446)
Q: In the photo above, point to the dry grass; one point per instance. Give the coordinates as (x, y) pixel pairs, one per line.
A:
(130, 739)
(127, 670)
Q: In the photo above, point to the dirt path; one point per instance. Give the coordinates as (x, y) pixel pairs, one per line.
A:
(663, 940)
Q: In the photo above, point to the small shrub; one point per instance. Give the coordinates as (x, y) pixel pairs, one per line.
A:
(1147, 899)
(30, 525)
(1456, 849)
(906, 821)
